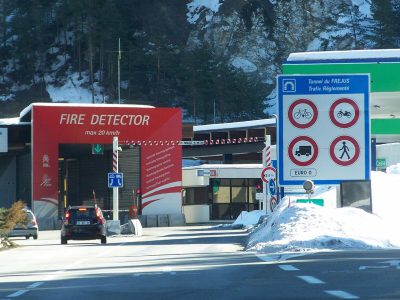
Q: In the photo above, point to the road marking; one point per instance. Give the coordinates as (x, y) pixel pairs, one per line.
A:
(311, 279)
(36, 284)
(288, 268)
(153, 273)
(372, 267)
(17, 293)
(21, 292)
(342, 294)
(148, 273)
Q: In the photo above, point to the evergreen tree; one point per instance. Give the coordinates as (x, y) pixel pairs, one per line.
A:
(384, 34)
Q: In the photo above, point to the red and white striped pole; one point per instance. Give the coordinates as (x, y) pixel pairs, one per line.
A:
(115, 170)
(266, 163)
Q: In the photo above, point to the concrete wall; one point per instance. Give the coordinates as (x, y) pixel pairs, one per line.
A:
(196, 213)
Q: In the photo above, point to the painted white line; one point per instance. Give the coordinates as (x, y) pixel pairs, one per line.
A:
(372, 267)
(147, 274)
(36, 284)
(17, 293)
(311, 279)
(342, 294)
(288, 268)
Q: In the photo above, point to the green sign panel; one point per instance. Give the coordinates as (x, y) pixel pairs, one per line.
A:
(97, 149)
(319, 202)
(381, 162)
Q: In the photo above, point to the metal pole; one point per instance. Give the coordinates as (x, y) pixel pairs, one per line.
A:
(119, 72)
(266, 163)
(115, 170)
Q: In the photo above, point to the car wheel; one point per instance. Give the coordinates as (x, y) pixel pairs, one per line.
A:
(63, 241)
(35, 237)
(27, 237)
(104, 240)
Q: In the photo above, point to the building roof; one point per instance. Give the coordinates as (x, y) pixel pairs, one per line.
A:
(25, 115)
(235, 125)
(350, 55)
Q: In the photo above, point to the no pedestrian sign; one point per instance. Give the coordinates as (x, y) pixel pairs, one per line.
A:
(323, 128)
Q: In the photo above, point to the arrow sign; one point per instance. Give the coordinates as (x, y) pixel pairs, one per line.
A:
(392, 263)
(97, 149)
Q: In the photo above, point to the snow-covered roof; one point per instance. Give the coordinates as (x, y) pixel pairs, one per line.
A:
(235, 125)
(28, 109)
(372, 55)
(12, 121)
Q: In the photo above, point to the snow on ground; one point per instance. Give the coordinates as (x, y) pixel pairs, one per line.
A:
(73, 92)
(244, 64)
(299, 228)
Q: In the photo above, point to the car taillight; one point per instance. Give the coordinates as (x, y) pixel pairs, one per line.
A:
(34, 221)
(67, 215)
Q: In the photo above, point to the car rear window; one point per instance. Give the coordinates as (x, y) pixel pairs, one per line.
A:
(87, 214)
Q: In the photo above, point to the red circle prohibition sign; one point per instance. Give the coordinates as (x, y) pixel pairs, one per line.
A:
(356, 150)
(273, 203)
(313, 156)
(312, 116)
(333, 117)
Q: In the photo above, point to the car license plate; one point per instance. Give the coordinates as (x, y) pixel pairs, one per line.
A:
(82, 222)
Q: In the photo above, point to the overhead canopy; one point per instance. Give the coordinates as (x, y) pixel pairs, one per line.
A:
(383, 67)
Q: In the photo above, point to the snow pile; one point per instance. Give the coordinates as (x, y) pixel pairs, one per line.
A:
(302, 227)
(248, 219)
(395, 169)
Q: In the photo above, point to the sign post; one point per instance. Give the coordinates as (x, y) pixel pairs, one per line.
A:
(267, 175)
(323, 128)
(115, 170)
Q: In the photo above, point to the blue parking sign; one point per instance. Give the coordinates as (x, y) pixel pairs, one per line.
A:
(115, 180)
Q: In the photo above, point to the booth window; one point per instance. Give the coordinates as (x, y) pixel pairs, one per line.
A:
(231, 196)
(239, 190)
(196, 195)
(221, 191)
(253, 183)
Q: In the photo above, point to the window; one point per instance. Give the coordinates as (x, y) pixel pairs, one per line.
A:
(221, 190)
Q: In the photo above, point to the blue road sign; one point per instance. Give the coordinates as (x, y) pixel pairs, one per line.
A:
(323, 128)
(115, 180)
(272, 187)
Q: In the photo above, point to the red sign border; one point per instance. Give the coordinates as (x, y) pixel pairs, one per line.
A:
(313, 107)
(332, 150)
(265, 170)
(270, 203)
(356, 112)
(290, 151)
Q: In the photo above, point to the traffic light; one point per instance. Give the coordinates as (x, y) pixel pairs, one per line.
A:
(259, 188)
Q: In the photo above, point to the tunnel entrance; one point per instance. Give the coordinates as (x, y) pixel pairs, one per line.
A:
(83, 177)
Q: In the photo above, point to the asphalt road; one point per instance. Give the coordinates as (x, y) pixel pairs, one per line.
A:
(193, 262)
